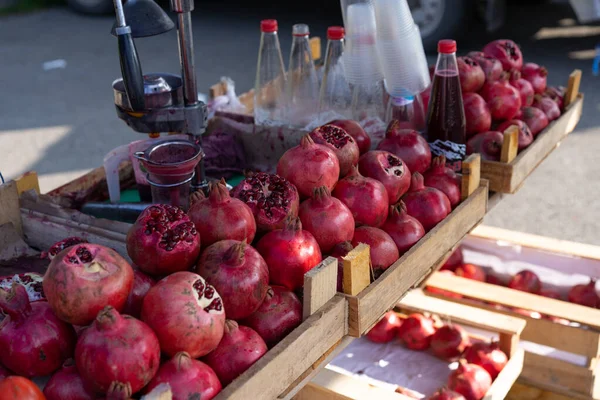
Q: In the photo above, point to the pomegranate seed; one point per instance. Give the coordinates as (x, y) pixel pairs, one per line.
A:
(199, 287)
(214, 305)
(209, 292)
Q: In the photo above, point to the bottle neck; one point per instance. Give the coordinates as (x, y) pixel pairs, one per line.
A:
(335, 48)
(446, 64)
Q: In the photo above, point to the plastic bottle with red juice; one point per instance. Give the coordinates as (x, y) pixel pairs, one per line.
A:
(446, 123)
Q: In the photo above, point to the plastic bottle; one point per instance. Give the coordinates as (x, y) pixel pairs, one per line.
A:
(446, 124)
(408, 110)
(335, 96)
(269, 89)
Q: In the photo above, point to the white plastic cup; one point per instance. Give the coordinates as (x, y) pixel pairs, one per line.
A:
(393, 18)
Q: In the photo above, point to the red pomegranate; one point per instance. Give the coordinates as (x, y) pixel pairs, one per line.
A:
(238, 350)
(19, 388)
(279, 314)
(492, 68)
(402, 228)
(96, 277)
(471, 74)
(238, 273)
(117, 348)
(470, 380)
(271, 198)
(449, 341)
(341, 143)
(327, 219)
(556, 93)
(163, 240)
(188, 378)
(340, 251)
(30, 280)
(507, 52)
(523, 86)
(442, 292)
(503, 100)
(66, 384)
(353, 128)
(383, 250)
(488, 356)
(526, 281)
(221, 217)
(119, 391)
(61, 245)
(416, 332)
(141, 285)
(387, 169)
(309, 166)
(536, 75)
(548, 106)
(386, 329)
(186, 313)
(525, 135)
(33, 340)
(471, 271)
(454, 261)
(585, 294)
(408, 145)
(444, 179)
(488, 144)
(535, 119)
(446, 394)
(290, 253)
(477, 114)
(426, 204)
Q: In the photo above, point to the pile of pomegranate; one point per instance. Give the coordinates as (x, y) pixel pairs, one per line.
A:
(479, 362)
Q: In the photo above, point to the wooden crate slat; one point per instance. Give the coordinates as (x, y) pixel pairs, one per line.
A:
(9, 206)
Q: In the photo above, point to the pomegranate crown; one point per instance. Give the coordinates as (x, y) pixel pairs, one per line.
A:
(197, 197)
(292, 224)
(182, 360)
(306, 141)
(219, 192)
(439, 162)
(15, 302)
(321, 194)
(119, 391)
(398, 209)
(107, 318)
(234, 256)
(230, 325)
(416, 182)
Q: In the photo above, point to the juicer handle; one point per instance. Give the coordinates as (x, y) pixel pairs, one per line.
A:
(131, 69)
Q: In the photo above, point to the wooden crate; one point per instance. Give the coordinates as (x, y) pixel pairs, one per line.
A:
(331, 385)
(546, 372)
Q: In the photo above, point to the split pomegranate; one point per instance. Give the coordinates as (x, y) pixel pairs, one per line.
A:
(426, 204)
(477, 114)
(271, 198)
(119, 391)
(290, 253)
(402, 228)
(488, 144)
(353, 128)
(386, 329)
(470, 380)
(383, 250)
(141, 285)
(443, 292)
(548, 106)
(19, 388)
(446, 394)
(525, 135)
(535, 119)
(66, 384)
(454, 261)
(221, 217)
(408, 145)
(30, 280)
(238, 273)
(339, 251)
(556, 93)
(61, 245)
(279, 314)
(488, 356)
(536, 75)
(238, 350)
(552, 294)
(33, 340)
(503, 100)
(327, 219)
(96, 277)
(444, 179)
(507, 52)
(585, 294)
(188, 378)
(449, 341)
(416, 332)
(341, 143)
(492, 68)
(523, 86)
(387, 169)
(309, 166)
(117, 348)
(163, 240)
(471, 271)
(471, 74)
(186, 313)
(526, 281)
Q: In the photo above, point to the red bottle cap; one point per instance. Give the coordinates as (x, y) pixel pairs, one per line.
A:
(268, 25)
(447, 46)
(335, 33)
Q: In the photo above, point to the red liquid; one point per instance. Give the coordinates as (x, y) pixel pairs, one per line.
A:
(446, 124)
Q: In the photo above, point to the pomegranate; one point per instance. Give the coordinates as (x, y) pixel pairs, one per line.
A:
(488, 356)
(366, 198)
(163, 240)
(327, 219)
(96, 277)
(402, 228)
(119, 391)
(454, 261)
(117, 348)
(536, 75)
(386, 329)
(477, 114)
(525, 135)
(33, 340)
(279, 314)
(526, 281)
(408, 145)
(507, 52)
(444, 179)
(353, 128)
(238, 350)
(271, 198)
(488, 144)
(238, 273)
(443, 292)
(188, 378)
(449, 341)
(426, 204)
(523, 86)
(383, 250)
(503, 100)
(339, 251)
(19, 388)
(550, 293)
(548, 106)
(141, 285)
(471, 271)
(387, 169)
(290, 253)
(556, 93)
(416, 332)
(186, 313)
(470, 380)
(341, 143)
(494, 280)
(584, 294)
(66, 384)
(61, 245)
(535, 119)
(221, 217)
(308, 166)
(446, 394)
(30, 280)
(471, 74)
(492, 68)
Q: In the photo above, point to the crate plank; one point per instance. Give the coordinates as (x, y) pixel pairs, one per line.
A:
(9, 206)
(356, 270)
(320, 284)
